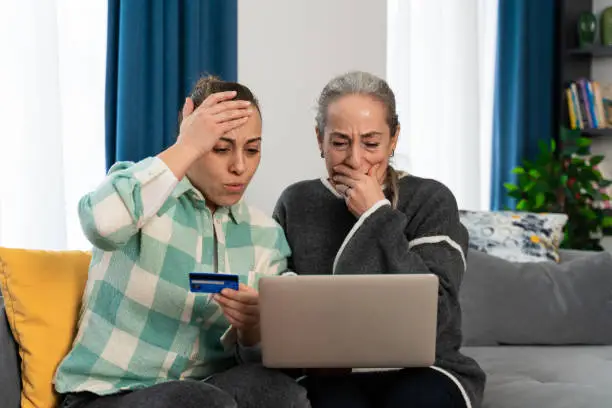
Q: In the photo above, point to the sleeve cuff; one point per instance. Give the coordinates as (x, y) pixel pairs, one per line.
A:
(244, 354)
(289, 273)
(157, 182)
(251, 354)
(229, 339)
(153, 168)
(373, 208)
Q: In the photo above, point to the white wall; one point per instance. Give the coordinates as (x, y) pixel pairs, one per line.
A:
(287, 51)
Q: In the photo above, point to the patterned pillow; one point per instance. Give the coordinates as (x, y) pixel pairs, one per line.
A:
(515, 236)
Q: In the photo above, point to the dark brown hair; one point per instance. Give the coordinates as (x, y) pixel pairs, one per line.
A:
(208, 85)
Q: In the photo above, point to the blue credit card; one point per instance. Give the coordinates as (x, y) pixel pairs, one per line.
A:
(201, 282)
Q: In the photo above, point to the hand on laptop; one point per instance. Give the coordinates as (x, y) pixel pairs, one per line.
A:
(241, 308)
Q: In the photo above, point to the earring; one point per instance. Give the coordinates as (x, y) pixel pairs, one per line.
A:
(392, 153)
(322, 155)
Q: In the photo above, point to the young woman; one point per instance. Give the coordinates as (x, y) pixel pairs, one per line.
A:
(367, 218)
(145, 340)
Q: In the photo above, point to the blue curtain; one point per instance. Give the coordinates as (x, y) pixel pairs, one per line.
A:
(157, 49)
(524, 89)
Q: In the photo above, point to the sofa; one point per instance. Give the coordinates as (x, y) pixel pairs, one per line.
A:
(541, 331)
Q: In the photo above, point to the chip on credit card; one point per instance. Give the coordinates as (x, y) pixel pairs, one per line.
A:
(201, 282)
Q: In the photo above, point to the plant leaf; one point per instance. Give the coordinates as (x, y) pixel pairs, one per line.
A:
(569, 150)
(595, 160)
(510, 186)
(564, 179)
(534, 173)
(540, 199)
(518, 170)
(607, 222)
(518, 194)
(605, 183)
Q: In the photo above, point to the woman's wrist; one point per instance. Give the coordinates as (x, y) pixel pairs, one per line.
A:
(250, 337)
(179, 158)
(375, 206)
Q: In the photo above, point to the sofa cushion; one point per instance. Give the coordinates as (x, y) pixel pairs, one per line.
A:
(515, 236)
(538, 303)
(42, 295)
(546, 377)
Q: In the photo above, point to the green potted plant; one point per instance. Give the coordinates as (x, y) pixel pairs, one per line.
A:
(564, 179)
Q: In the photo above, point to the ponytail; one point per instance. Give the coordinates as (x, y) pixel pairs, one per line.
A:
(391, 181)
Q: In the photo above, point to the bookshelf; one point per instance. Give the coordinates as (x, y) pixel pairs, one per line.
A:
(607, 132)
(575, 62)
(597, 51)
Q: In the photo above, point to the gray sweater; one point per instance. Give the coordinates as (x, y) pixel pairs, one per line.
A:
(423, 234)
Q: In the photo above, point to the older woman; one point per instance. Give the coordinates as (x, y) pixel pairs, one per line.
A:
(367, 218)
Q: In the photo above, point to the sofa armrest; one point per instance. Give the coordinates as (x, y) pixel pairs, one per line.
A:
(10, 377)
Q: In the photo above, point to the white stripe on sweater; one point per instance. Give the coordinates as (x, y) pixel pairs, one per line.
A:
(358, 224)
(436, 239)
(331, 188)
(468, 403)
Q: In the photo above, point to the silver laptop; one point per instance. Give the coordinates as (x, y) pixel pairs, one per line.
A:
(348, 321)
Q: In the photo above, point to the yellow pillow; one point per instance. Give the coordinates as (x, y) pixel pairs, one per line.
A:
(42, 293)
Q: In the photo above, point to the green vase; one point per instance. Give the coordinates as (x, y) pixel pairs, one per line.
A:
(587, 27)
(605, 25)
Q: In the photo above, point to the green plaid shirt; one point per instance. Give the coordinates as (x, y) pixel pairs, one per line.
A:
(140, 325)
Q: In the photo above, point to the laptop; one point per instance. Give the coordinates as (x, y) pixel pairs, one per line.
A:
(348, 321)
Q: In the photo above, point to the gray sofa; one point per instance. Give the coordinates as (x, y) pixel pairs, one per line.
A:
(542, 333)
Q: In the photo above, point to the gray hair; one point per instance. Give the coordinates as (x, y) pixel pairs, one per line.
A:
(357, 82)
(362, 83)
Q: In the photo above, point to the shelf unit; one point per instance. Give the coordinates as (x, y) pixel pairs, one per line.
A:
(596, 51)
(605, 132)
(574, 62)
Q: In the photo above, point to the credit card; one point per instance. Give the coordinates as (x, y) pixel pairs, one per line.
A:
(200, 282)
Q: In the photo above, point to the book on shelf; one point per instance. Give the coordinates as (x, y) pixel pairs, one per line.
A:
(589, 104)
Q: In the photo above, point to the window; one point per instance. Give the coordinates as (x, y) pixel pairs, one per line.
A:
(441, 65)
(52, 78)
